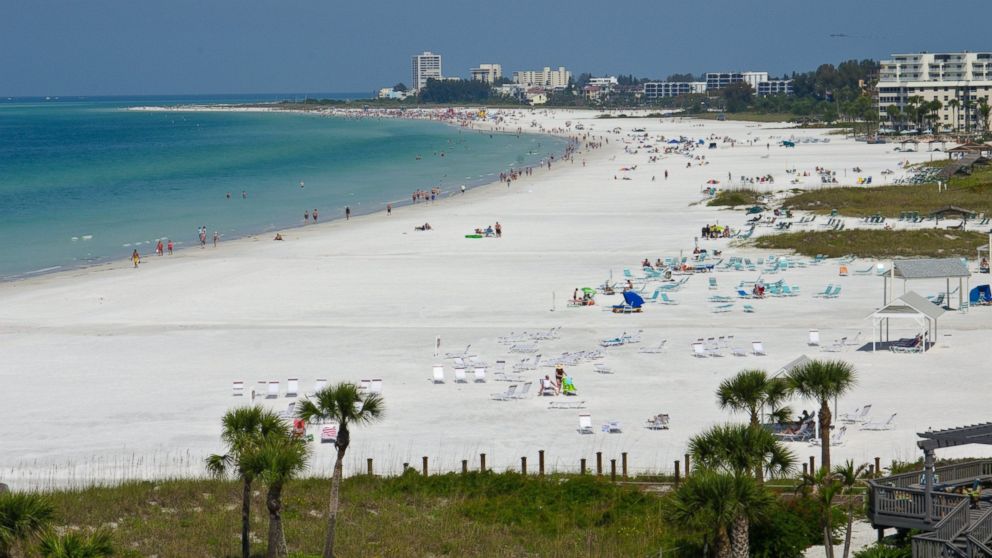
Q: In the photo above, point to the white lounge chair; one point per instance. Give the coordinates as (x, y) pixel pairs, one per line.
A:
(698, 350)
(836, 439)
(480, 374)
(477, 362)
(758, 348)
(292, 387)
(438, 377)
(887, 425)
(814, 338)
(612, 427)
(463, 354)
(238, 389)
(500, 367)
(602, 368)
(459, 376)
(585, 424)
(273, 392)
(524, 391)
(375, 386)
(658, 422)
(506, 395)
(738, 351)
(560, 405)
(660, 347)
(460, 362)
(363, 385)
(835, 347)
(859, 415)
(290, 411)
(319, 384)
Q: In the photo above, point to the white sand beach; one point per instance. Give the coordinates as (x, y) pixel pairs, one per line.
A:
(113, 372)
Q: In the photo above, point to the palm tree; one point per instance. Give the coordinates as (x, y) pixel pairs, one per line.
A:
(984, 111)
(824, 486)
(955, 104)
(720, 507)
(243, 431)
(741, 449)
(849, 476)
(73, 544)
(344, 404)
(895, 114)
(281, 458)
(23, 516)
(750, 391)
(823, 380)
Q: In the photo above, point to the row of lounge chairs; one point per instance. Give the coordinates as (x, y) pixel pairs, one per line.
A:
(461, 376)
(271, 388)
(830, 291)
(715, 347)
(837, 345)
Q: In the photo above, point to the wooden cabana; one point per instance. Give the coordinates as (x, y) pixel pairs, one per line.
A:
(953, 212)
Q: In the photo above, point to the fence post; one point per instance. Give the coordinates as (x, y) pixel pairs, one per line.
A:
(805, 469)
(368, 462)
(464, 466)
(523, 465)
(878, 468)
(425, 466)
(623, 457)
(613, 470)
(599, 463)
(405, 467)
(582, 466)
(540, 462)
(687, 465)
(812, 465)
(482, 462)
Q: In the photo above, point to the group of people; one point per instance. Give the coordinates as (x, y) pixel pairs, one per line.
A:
(159, 249)
(562, 384)
(716, 231)
(426, 195)
(307, 214)
(202, 234)
(492, 230)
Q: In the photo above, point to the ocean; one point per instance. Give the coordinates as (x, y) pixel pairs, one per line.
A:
(85, 181)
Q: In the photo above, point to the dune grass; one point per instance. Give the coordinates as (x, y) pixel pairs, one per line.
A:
(735, 198)
(479, 514)
(877, 243)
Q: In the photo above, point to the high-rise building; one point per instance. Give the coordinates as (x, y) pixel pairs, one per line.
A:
(487, 73)
(956, 79)
(425, 66)
(547, 78)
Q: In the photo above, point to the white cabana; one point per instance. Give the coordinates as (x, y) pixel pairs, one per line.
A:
(910, 306)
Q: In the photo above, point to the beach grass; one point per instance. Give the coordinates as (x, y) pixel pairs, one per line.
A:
(876, 243)
(971, 192)
(735, 198)
(478, 514)
(749, 116)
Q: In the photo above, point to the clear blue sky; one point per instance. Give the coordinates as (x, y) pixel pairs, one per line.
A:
(74, 47)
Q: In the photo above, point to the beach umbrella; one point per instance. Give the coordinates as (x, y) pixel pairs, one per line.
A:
(633, 299)
(588, 291)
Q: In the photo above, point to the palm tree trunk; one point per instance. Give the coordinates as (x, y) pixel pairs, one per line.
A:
(332, 512)
(828, 545)
(277, 539)
(741, 541)
(759, 473)
(850, 522)
(246, 519)
(825, 434)
(723, 548)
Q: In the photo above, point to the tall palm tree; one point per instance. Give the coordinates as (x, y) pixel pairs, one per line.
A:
(344, 404)
(750, 391)
(73, 544)
(23, 516)
(740, 449)
(850, 476)
(244, 429)
(281, 458)
(955, 104)
(984, 111)
(823, 380)
(720, 507)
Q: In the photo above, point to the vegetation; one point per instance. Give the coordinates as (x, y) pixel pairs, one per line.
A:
(876, 243)
(455, 91)
(23, 517)
(971, 192)
(735, 198)
(98, 544)
(823, 381)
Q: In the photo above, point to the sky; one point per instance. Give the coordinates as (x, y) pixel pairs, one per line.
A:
(157, 47)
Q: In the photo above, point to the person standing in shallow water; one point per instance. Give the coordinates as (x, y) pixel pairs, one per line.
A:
(389, 209)
(347, 213)
(135, 258)
(315, 215)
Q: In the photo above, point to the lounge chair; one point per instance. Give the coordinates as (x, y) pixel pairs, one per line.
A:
(564, 405)
(524, 348)
(480, 374)
(329, 434)
(834, 294)
(363, 385)
(463, 354)
(238, 388)
(712, 282)
(666, 300)
(438, 377)
(738, 351)
(748, 309)
(506, 395)
(585, 424)
(858, 415)
(477, 362)
(804, 433)
(887, 425)
(660, 347)
(836, 438)
(273, 392)
(722, 308)
(758, 348)
(319, 384)
(814, 338)
(459, 376)
(698, 350)
(290, 411)
(524, 391)
(292, 387)
(375, 386)
(612, 427)
(658, 422)
(835, 347)
(825, 292)
(602, 368)
(713, 348)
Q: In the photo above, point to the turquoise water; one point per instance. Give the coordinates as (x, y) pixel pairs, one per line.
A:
(85, 181)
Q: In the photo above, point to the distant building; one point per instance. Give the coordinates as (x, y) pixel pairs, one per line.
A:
(608, 81)
(547, 78)
(536, 96)
(719, 80)
(955, 78)
(389, 93)
(513, 90)
(660, 89)
(425, 66)
(774, 87)
(487, 73)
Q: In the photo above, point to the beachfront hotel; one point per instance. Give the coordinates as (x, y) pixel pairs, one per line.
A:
(487, 73)
(719, 80)
(774, 87)
(661, 89)
(425, 66)
(547, 78)
(956, 79)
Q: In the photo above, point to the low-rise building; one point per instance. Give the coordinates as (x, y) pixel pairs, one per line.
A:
(487, 73)
(774, 87)
(661, 89)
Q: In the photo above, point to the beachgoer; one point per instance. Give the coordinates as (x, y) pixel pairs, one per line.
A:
(463, 188)
(216, 238)
(389, 209)
(499, 230)
(315, 215)
(347, 213)
(278, 237)
(158, 248)
(136, 258)
(170, 247)
(559, 377)
(244, 195)
(306, 216)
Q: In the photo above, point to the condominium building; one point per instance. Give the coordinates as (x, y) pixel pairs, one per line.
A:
(425, 66)
(487, 73)
(956, 79)
(660, 89)
(719, 80)
(547, 78)
(774, 87)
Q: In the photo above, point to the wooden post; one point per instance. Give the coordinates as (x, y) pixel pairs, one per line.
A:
(613, 470)
(405, 467)
(677, 473)
(464, 466)
(482, 462)
(687, 465)
(812, 464)
(582, 466)
(623, 457)
(540, 462)
(805, 469)
(425, 466)
(599, 463)
(368, 462)
(523, 465)
(878, 466)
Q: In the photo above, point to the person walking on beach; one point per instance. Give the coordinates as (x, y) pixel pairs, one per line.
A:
(347, 213)
(315, 215)
(158, 248)
(666, 174)
(135, 258)
(463, 188)
(203, 237)
(389, 209)
(216, 238)
(170, 247)
(306, 216)
(499, 230)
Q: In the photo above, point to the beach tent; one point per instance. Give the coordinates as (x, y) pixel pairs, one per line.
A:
(633, 299)
(979, 294)
(673, 141)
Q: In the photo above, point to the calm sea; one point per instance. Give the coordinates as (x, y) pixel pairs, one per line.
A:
(83, 181)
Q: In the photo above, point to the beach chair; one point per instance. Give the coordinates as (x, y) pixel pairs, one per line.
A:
(290, 411)
(375, 386)
(666, 300)
(506, 395)
(834, 294)
(748, 309)
(836, 438)
(612, 427)
(585, 424)
(722, 308)
(804, 433)
(854, 340)
(712, 347)
(658, 422)
(524, 391)
(463, 354)
(524, 348)
(238, 389)
(660, 347)
(887, 425)
(825, 292)
(843, 270)
(743, 294)
(814, 338)
(758, 348)
(712, 281)
(698, 350)
(438, 374)
(602, 368)
(363, 385)
(477, 362)
(329, 434)
(859, 415)
(459, 376)
(480, 374)
(318, 384)
(564, 405)
(273, 392)
(292, 387)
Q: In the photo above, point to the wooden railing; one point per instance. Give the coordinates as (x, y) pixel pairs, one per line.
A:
(903, 496)
(981, 528)
(978, 550)
(954, 522)
(925, 546)
(904, 502)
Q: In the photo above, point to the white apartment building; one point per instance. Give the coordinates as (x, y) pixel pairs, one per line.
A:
(660, 89)
(608, 81)
(719, 80)
(487, 73)
(774, 87)
(945, 77)
(425, 66)
(547, 78)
